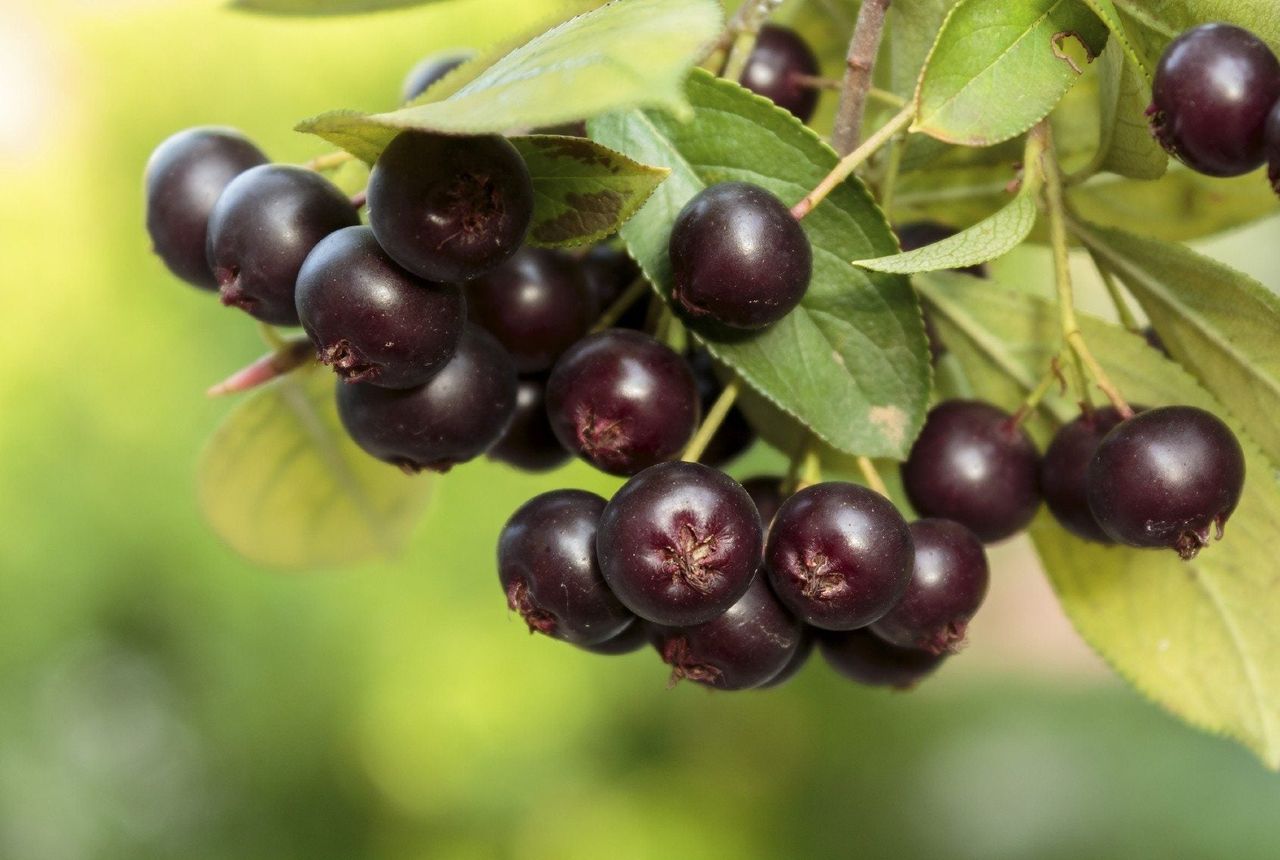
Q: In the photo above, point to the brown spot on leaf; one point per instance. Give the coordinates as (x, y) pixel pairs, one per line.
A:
(576, 149)
(891, 421)
(1058, 51)
(587, 214)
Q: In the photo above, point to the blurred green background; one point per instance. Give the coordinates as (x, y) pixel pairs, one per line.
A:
(161, 698)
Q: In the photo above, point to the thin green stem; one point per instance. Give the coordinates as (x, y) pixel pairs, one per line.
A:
(271, 337)
(1052, 375)
(1109, 281)
(330, 161)
(851, 162)
(872, 476)
(711, 423)
(749, 21)
(621, 304)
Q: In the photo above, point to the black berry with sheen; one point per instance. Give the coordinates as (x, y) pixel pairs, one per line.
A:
(738, 258)
(455, 417)
(529, 443)
(679, 543)
(948, 584)
(1214, 88)
(747, 646)
(265, 225)
(1064, 472)
(777, 69)
(1273, 147)
(632, 638)
(537, 304)
(1165, 477)
(185, 176)
(865, 658)
(766, 492)
(839, 555)
(429, 70)
(372, 321)
(797, 662)
(450, 209)
(547, 567)
(623, 401)
(609, 271)
(972, 465)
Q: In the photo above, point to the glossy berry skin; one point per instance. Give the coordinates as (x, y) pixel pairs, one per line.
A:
(738, 258)
(455, 417)
(529, 443)
(766, 492)
(609, 271)
(185, 176)
(537, 304)
(632, 638)
(734, 435)
(797, 662)
(747, 646)
(776, 68)
(1065, 468)
(1273, 147)
(1214, 87)
(429, 70)
(679, 543)
(372, 321)
(839, 555)
(1165, 477)
(948, 583)
(865, 658)
(547, 567)
(263, 228)
(972, 465)
(622, 401)
(450, 209)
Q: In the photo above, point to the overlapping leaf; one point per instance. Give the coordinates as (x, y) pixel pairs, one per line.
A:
(987, 240)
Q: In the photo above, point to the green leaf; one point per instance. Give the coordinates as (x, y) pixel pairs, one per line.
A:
(1202, 638)
(851, 363)
(1155, 23)
(984, 241)
(1220, 324)
(317, 8)
(913, 27)
(284, 486)
(1127, 146)
(582, 191)
(626, 53)
(1184, 205)
(1132, 50)
(1000, 66)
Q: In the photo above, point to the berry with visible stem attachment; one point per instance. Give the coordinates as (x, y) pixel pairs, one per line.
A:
(797, 662)
(738, 257)
(679, 543)
(865, 658)
(839, 555)
(734, 435)
(262, 230)
(1064, 472)
(622, 401)
(632, 638)
(450, 209)
(747, 646)
(529, 443)
(537, 304)
(185, 176)
(430, 69)
(972, 464)
(372, 321)
(948, 583)
(455, 417)
(781, 67)
(1165, 477)
(1214, 87)
(766, 492)
(547, 567)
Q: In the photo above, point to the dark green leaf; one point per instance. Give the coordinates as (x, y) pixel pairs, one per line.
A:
(987, 240)
(1127, 146)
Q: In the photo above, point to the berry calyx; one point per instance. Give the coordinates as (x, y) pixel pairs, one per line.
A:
(372, 321)
(1165, 477)
(777, 68)
(529, 443)
(972, 464)
(679, 543)
(738, 257)
(839, 556)
(1064, 472)
(185, 176)
(547, 567)
(622, 401)
(450, 209)
(428, 70)
(865, 658)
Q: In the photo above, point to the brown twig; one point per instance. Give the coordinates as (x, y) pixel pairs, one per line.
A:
(859, 64)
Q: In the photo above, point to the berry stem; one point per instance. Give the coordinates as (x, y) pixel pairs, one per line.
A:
(806, 467)
(360, 198)
(289, 357)
(715, 417)
(1052, 375)
(872, 476)
(331, 161)
(864, 45)
(615, 311)
(1126, 316)
(271, 337)
(852, 162)
(741, 34)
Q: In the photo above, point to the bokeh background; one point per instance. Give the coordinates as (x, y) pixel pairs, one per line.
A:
(160, 697)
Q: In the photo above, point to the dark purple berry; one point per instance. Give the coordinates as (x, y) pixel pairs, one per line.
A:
(450, 209)
(623, 401)
(372, 321)
(777, 69)
(632, 638)
(747, 646)
(1065, 468)
(455, 417)
(734, 435)
(766, 492)
(839, 555)
(1214, 87)
(547, 566)
(1273, 147)
(971, 464)
(184, 178)
(919, 234)
(797, 662)
(529, 443)
(865, 658)
(537, 304)
(265, 225)
(429, 70)
(679, 543)
(948, 584)
(1165, 477)
(609, 271)
(1153, 339)
(738, 258)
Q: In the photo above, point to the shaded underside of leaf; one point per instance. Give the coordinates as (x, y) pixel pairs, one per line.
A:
(1127, 146)
(987, 240)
